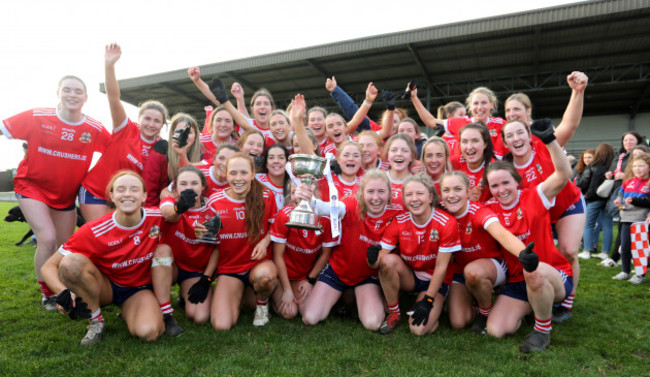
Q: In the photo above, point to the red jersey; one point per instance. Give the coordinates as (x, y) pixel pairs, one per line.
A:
(302, 246)
(234, 249)
(128, 150)
(156, 177)
(122, 254)
(537, 169)
(278, 191)
(494, 125)
(329, 147)
(475, 176)
(348, 259)
(190, 253)
(344, 188)
(476, 242)
(419, 245)
(322, 144)
(209, 147)
(528, 219)
(58, 154)
(396, 191)
(452, 142)
(265, 131)
(213, 184)
(374, 126)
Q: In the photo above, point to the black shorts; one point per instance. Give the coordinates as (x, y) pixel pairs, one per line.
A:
(121, 294)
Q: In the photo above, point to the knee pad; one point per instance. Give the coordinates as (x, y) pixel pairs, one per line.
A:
(162, 261)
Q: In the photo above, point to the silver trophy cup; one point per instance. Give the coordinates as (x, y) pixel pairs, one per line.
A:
(306, 167)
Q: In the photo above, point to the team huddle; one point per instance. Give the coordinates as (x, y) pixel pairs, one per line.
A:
(463, 219)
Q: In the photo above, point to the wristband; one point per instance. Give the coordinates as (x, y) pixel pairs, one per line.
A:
(311, 280)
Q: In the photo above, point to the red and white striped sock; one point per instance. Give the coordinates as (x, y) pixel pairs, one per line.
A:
(484, 311)
(97, 316)
(543, 325)
(166, 308)
(45, 290)
(568, 302)
(394, 308)
(262, 302)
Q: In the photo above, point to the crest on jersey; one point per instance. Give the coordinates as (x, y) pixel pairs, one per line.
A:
(493, 132)
(468, 229)
(520, 214)
(539, 168)
(433, 236)
(85, 137)
(154, 231)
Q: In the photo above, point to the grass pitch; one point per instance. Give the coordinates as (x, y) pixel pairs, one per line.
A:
(607, 336)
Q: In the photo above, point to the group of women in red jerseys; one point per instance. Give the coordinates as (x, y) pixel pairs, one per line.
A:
(452, 218)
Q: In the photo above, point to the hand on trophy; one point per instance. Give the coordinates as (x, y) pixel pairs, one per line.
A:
(304, 192)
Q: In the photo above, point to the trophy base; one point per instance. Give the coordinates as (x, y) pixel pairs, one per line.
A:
(303, 226)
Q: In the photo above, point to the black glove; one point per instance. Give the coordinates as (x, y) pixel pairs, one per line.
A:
(219, 90)
(181, 135)
(528, 258)
(199, 291)
(421, 311)
(543, 129)
(186, 201)
(78, 310)
(213, 225)
(372, 252)
(161, 147)
(412, 85)
(335, 167)
(389, 98)
(438, 130)
(259, 162)
(64, 299)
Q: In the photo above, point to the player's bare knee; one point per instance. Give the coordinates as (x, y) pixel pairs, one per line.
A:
(163, 251)
(199, 317)
(265, 283)
(495, 331)
(71, 267)
(534, 280)
(459, 321)
(221, 324)
(387, 263)
(372, 322)
(310, 318)
(472, 276)
(149, 331)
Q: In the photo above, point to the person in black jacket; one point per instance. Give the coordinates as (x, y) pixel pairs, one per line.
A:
(592, 177)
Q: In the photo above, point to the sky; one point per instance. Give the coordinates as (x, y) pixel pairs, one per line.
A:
(41, 41)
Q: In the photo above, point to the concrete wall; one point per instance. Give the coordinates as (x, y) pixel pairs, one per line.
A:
(595, 130)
